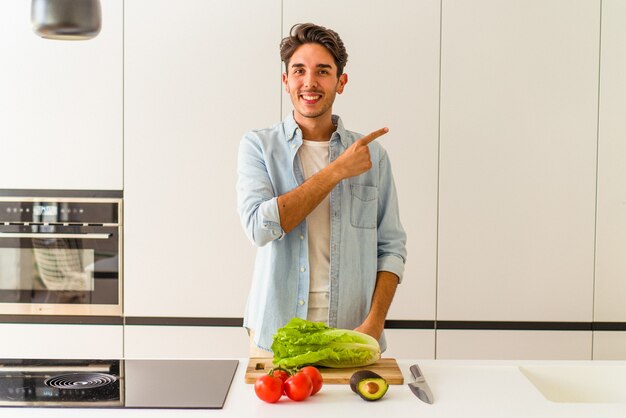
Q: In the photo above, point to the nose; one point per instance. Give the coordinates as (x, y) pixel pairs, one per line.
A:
(310, 80)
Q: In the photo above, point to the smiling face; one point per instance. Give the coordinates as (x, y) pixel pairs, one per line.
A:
(312, 83)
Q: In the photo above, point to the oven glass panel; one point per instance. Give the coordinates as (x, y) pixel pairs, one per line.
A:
(46, 268)
(83, 269)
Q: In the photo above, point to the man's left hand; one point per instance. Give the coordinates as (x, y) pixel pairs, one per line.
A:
(386, 283)
(370, 329)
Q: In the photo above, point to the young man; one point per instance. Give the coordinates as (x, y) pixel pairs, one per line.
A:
(320, 203)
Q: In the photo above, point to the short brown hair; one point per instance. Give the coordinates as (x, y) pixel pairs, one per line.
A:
(307, 33)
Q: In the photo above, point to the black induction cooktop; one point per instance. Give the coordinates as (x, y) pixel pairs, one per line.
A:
(179, 384)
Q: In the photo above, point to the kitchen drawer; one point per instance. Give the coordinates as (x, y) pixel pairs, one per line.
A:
(61, 341)
(609, 345)
(513, 345)
(410, 343)
(157, 341)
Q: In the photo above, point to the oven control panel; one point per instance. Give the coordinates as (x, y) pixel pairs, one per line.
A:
(63, 211)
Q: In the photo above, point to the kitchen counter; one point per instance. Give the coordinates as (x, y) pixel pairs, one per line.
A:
(461, 389)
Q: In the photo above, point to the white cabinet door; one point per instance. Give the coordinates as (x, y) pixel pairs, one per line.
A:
(393, 80)
(60, 104)
(519, 95)
(198, 75)
(513, 345)
(610, 290)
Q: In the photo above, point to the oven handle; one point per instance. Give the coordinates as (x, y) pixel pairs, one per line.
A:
(54, 369)
(43, 235)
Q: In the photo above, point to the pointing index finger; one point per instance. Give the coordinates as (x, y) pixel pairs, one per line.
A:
(372, 136)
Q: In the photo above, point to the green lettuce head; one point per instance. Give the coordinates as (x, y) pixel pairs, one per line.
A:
(303, 342)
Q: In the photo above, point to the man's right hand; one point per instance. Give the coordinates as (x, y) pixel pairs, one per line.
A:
(296, 205)
(356, 159)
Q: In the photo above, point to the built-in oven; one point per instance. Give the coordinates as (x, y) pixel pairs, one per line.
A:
(60, 256)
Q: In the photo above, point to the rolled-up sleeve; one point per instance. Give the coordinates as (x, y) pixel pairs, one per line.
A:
(256, 199)
(391, 235)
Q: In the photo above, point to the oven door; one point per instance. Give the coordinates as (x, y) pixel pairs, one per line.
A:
(60, 270)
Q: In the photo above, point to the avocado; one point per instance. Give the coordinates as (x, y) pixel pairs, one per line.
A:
(368, 385)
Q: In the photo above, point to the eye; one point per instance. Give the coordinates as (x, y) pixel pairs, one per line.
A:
(298, 71)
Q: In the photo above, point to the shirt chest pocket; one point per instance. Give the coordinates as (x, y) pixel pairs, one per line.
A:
(364, 203)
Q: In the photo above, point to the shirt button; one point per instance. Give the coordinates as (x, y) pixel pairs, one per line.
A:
(301, 302)
(303, 269)
(293, 145)
(302, 237)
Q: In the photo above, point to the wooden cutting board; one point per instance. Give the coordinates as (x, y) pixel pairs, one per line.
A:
(386, 367)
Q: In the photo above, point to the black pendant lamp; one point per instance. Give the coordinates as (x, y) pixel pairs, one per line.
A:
(66, 19)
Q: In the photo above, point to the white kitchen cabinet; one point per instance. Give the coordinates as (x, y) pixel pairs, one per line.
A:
(609, 345)
(198, 75)
(393, 81)
(61, 341)
(410, 343)
(519, 89)
(514, 345)
(150, 341)
(610, 283)
(60, 104)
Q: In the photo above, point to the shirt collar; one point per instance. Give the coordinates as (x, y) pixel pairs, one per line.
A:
(290, 126)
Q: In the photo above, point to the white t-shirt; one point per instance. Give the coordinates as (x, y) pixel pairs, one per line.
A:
(314, 156)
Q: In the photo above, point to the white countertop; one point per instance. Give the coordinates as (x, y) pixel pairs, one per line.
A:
(461, 389)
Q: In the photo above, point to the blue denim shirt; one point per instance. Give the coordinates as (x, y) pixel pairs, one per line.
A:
(365, 230)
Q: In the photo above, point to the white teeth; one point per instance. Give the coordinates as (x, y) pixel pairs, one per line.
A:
(310, 97)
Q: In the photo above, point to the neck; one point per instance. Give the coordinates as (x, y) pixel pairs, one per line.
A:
(316, 129)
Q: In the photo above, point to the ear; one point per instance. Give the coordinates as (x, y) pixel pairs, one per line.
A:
(285, 82)
(341, 83)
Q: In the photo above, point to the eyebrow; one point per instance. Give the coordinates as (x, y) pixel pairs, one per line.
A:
(298, 65)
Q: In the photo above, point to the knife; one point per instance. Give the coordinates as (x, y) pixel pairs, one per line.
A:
(419, 387)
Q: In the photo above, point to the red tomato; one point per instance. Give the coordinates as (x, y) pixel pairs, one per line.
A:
(298, 387)
(316, 378)
(268, 388)
(281, 374)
